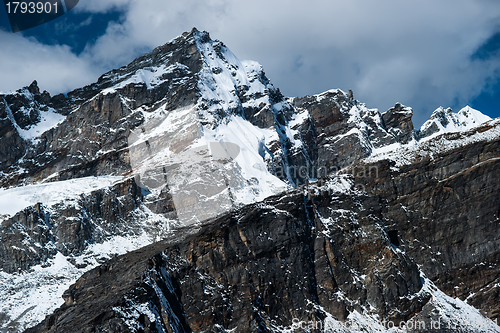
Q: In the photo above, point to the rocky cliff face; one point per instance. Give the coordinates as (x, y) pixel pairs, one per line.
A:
(366, 220)
(321, 255)
(444, 209)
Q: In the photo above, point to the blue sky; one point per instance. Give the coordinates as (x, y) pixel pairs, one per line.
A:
(423, 54)
(75, 29)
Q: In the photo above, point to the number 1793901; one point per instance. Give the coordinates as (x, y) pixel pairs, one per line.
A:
(31, 7)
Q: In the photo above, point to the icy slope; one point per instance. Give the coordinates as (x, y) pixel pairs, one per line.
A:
(236, 104)
(174, 150)
(15, 199)
(46, 120)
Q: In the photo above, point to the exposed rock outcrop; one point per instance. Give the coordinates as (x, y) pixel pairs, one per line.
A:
(398, 122)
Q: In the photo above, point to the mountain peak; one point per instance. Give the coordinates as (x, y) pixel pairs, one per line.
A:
(398, 121)
(192, 32)
(33, 88)
(445, 121)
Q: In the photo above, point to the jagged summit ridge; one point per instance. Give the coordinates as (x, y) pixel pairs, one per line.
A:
(225, 85)
(445, 121)
(193, 69)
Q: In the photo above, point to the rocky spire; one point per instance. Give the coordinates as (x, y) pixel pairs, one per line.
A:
(398, 121)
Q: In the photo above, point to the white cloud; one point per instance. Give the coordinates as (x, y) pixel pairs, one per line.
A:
(99, 6)
(55, 68)
(417, 53)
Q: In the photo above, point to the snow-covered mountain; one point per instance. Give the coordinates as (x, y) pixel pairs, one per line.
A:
(445, 121)
(179, 137)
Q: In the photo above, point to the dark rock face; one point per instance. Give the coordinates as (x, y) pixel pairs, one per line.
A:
(330, 145)
(342, 131)
(446, 213)
(378, 134)
(330, 111)
(12, 146)
(398, 122)
(250, 271)
(260, 115)
(102, 123)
